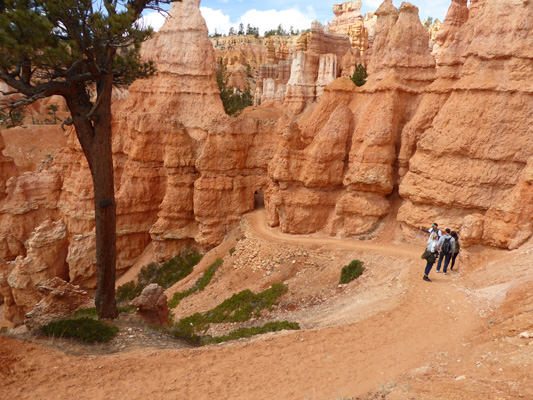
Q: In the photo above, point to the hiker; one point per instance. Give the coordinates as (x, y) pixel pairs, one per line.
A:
(446, 249)
(456, 251)
(432, 247)
(434, 228)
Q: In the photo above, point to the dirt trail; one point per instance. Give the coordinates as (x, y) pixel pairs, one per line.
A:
(402, 327)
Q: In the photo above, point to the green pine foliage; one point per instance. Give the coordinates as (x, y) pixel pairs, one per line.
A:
(84, 329)
(233, 99)
(50, 47)
(352, 271)
(359, 76)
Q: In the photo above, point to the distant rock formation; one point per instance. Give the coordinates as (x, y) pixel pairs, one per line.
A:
(349, 21)
(315, 64)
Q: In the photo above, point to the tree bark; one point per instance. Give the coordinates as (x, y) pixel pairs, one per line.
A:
(94, 134)
(104, 203)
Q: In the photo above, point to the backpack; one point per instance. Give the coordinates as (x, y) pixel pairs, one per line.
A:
(447, 245)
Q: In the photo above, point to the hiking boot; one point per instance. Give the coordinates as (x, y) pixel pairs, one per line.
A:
(426, 278)
(444, 273)
(438, 271)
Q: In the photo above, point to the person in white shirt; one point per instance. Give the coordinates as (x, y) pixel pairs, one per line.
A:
(432, 247)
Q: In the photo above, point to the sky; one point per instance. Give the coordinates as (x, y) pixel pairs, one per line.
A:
(220, 15)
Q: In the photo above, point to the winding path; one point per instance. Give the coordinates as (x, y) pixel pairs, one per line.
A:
(418, 323)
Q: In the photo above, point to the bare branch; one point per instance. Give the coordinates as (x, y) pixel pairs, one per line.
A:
(93, 110)
(67, 122)
(8, 93)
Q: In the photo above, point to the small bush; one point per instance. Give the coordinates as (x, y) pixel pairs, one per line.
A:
(84, 329)
(231, 251)
(200, 284)
(165, 275)
(351, 271)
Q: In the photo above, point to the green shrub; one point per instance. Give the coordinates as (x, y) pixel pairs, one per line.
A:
(359, 76)
(126, 292)
(84, 329)
(231, 251)
(351, 271)
(249, 332)
(238, 308)
(233, 99)
(200, 284)
(165, 275)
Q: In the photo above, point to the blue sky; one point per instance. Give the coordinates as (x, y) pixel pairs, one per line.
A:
(222, 14)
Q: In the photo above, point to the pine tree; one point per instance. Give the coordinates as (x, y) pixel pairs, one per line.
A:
(63, 47)
(233, 100)
(359, 76)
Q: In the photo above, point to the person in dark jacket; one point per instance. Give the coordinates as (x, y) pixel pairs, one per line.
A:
(456, 250)
(446, 249)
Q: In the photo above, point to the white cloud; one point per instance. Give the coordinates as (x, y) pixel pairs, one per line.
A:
(215, 19)
(153, 19)
(264, 20)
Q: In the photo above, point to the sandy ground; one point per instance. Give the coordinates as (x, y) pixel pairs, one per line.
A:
(388, 335)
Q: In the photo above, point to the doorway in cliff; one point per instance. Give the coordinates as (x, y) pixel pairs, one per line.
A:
(259, 199)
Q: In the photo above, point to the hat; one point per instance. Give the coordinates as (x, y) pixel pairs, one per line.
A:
(435, 225)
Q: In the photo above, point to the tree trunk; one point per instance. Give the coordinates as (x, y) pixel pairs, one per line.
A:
(104, 203)
(94, 134)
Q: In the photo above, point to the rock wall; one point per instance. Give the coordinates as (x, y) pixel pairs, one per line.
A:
(472, 162)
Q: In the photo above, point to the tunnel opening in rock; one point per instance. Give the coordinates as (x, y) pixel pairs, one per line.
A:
(259, 199)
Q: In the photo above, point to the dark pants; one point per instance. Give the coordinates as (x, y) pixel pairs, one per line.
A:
(453, 259)
(446, 257)
(429, 265)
